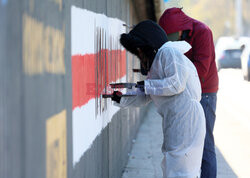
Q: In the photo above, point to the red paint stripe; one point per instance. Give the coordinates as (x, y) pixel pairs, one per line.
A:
(90, 77)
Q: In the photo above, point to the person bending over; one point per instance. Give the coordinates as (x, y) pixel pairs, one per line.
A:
(173, 85)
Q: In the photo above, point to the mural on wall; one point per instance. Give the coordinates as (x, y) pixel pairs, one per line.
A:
(97, 60)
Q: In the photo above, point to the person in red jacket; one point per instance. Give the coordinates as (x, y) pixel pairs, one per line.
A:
(179, 26)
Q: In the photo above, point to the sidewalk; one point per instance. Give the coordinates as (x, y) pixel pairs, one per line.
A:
(145, 157)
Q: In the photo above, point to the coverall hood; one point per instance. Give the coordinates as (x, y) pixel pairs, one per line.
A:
(181, 46)
(174, 20)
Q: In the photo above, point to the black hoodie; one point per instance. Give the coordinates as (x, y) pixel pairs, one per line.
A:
(146, 34)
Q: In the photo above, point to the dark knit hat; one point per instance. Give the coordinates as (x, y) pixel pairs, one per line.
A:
(145, 33)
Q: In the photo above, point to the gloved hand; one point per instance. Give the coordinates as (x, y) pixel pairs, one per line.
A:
(116, 96)
(140, 84)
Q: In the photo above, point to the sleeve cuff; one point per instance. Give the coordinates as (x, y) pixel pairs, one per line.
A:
(147, 87)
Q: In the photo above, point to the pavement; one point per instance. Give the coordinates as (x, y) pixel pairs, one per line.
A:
(232, 125)
(145, 157)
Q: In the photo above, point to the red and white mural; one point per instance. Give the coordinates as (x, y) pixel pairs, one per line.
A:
(97, 60)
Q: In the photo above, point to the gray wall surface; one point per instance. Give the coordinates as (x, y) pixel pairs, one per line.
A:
(36, 86)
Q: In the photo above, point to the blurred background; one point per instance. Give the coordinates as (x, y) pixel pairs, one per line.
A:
(225, 18)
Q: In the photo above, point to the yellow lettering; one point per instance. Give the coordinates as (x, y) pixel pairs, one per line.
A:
(56, 146)
(43, 48)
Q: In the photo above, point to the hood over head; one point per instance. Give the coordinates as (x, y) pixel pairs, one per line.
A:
(146, 33)
(149, 37)
(174, 20)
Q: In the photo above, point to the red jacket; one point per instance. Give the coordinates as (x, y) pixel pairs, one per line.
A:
(202, 53)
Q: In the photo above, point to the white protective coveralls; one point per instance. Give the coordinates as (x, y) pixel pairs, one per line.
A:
(173, 85)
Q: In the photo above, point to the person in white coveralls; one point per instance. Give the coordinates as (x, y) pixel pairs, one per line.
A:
(173, 85)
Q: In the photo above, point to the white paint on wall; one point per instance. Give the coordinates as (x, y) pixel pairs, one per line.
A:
(86, 126)
(83, 23)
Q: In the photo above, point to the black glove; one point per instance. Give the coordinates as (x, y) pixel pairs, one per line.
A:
(116, 96)
(140, 84)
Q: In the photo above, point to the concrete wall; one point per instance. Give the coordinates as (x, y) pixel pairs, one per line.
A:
(36, 93)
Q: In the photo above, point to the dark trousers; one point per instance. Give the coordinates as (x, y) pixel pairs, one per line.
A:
(209, 165)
